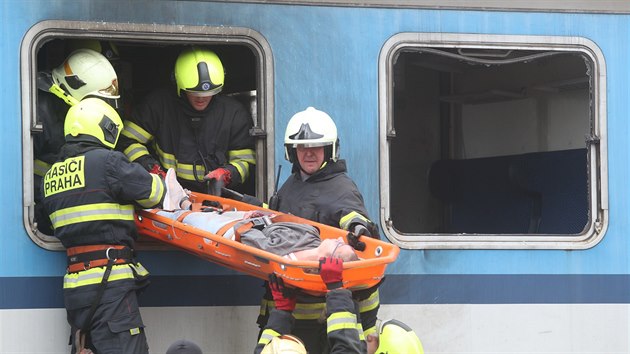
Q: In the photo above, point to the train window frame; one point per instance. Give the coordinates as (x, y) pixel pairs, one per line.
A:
(48, 30)
(596, 142)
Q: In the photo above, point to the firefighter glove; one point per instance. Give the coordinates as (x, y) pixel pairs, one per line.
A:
(220, 174)
(359, 230)
(330, 270)
(354, 237)
(147, 161)
(284, 297)
(157, 170)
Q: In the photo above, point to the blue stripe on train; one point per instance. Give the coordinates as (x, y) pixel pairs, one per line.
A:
(45, 292)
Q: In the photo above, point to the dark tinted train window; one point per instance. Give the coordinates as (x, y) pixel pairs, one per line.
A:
(493, 145)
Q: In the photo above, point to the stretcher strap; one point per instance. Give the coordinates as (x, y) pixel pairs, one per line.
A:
(226, 227)
(259, 223)
(183, 215)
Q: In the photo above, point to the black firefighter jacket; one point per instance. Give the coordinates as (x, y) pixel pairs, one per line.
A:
(343, 327)
(192, 142)
(90, 194)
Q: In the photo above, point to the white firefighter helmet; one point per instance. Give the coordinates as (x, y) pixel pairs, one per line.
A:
(87, 73)
(311, 128)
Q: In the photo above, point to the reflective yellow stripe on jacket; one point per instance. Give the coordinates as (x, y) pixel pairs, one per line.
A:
(91, 212)
(167, 160)
(266, 306)
(370, 304)
(267, 335)
(341, 320)
(134, 132)
(40, 167)
(183, 170)
(302, 311)
(241, 159)
(135, 151)
(361, 333)
(95, 275)
(309, 311)
(157, 192)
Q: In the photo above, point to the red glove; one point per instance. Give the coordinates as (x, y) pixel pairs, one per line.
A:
(284, 297)
(330, 270)
(157, 170)
(220, 174)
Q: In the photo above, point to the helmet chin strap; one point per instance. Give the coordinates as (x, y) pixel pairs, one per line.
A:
(46, 83)
(305, 174)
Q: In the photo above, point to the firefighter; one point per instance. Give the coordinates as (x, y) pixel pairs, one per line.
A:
(203, 136)
(90, 194)
(84, 73)
(276, 337)
(344, 330)
(319, 189)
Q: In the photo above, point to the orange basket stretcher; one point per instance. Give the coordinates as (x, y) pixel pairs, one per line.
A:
(368, 271)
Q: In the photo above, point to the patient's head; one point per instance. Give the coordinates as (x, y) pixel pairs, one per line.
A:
(332, 247)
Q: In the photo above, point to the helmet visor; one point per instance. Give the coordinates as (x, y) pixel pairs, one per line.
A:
(111, 90)
(311, 145)
(203, 93)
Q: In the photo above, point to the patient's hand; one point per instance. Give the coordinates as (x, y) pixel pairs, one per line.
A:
(256, 214)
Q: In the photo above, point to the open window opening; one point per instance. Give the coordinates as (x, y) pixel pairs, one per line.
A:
(493, 144)
(144, 60)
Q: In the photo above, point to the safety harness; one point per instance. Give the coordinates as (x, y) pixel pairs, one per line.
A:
(82, 258)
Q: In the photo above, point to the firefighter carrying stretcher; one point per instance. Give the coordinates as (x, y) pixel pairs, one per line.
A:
(343, 325)
(320, 189)
(90, 194)
(203, 135)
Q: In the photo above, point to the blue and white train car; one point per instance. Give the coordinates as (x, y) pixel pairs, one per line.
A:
(489, 140)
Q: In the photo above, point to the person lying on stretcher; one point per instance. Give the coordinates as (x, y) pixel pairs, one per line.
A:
(292, 240)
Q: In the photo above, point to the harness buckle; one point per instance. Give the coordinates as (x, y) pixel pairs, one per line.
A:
(107, 254)
(260, 222)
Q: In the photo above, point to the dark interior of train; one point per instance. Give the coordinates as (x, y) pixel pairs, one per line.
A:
(143, 66)
(490, 141)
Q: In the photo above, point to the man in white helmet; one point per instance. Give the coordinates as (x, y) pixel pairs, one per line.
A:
(320, 189)
(84, 73)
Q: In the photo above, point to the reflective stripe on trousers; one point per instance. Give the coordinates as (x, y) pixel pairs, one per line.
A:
(95, 275)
